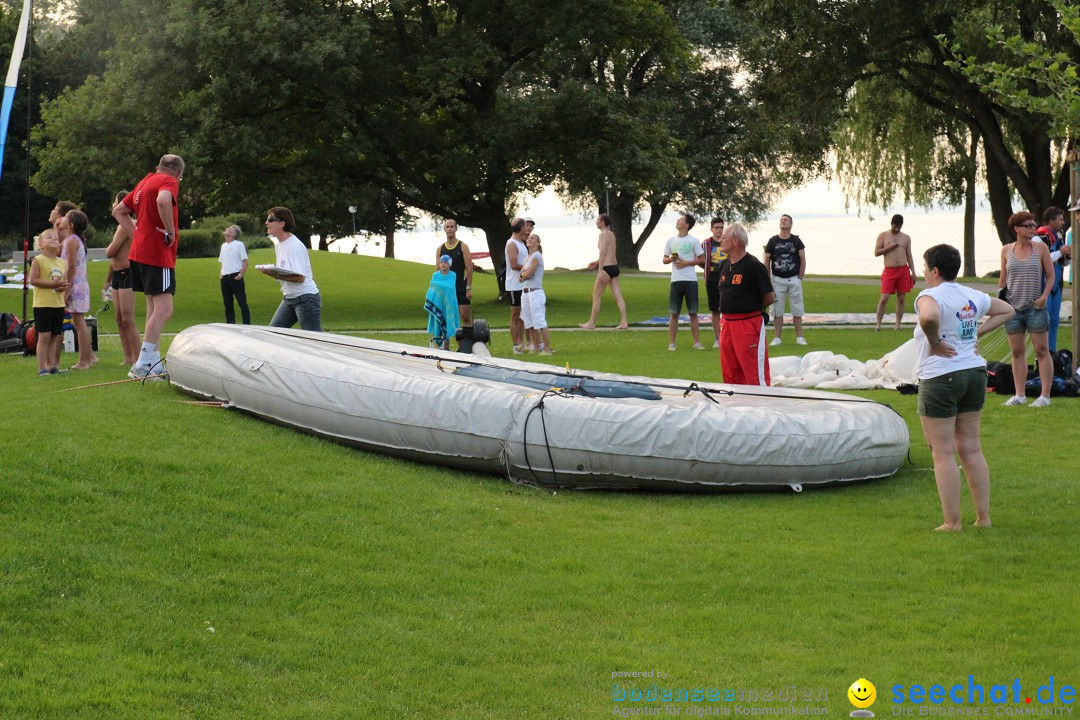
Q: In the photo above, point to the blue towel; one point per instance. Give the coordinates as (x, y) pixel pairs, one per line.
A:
(442, 308)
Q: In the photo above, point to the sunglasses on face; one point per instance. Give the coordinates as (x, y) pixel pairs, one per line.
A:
(1029, 225)
(273, 219)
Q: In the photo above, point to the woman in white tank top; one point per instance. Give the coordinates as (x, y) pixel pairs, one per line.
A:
(534, 300)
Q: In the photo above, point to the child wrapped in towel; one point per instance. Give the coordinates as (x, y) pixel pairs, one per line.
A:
(441, 305)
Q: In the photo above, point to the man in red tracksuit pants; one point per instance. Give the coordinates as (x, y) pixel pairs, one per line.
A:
(745, 291)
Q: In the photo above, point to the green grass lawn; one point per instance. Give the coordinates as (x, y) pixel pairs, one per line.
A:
(166, 559)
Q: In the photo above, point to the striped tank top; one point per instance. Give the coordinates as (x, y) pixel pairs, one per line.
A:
(1024, 278)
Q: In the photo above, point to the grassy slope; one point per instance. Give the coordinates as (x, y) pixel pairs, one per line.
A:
(243, 570)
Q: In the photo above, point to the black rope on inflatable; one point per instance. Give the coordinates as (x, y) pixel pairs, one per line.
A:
(547, 442)
(682, 388)
(694, 387)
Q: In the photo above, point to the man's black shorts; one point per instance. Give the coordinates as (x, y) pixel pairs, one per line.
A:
(121, 279)
(515, 298)
(712, 292)
(152, 280)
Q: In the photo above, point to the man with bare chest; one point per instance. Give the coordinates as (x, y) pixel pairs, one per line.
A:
(607, 274)
(899, 274)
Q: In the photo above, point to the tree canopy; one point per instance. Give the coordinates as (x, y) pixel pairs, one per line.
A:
(1030, 72)
(460, 107)
(455, 108)
(812, 55)
(705, 145)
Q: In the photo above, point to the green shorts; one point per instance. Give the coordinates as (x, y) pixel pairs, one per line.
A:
(949, 395)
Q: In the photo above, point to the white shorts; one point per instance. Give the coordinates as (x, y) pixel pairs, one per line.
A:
(534, 309)
(789, 289)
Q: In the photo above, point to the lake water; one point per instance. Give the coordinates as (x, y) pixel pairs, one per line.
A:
(837, 242)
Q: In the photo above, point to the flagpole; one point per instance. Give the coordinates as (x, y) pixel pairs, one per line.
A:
(11, 83)
(26, 208)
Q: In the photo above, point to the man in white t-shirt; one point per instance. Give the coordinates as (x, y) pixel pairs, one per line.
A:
(234, 264)
(683, 252)
(516, 254)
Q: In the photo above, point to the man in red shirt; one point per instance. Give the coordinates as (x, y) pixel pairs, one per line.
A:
(150, 214)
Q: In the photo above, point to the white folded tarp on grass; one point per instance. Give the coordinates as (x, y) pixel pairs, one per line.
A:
(827, 370)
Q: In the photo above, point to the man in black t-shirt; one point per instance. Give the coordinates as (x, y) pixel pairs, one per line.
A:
(462, 265)
(745, 291)
(785, 255)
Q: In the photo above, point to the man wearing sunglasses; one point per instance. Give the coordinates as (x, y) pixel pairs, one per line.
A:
(151, 215)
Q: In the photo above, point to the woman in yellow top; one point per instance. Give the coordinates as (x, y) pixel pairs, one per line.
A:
(48, 275)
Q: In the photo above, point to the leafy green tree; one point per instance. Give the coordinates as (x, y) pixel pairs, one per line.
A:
(258, 116)
(455, 108)
(459, 122)
(436, 105)
(889, 146)
(687, 134)
(815, 54)
(1031, 72)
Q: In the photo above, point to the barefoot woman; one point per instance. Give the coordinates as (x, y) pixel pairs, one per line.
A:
(952, 380)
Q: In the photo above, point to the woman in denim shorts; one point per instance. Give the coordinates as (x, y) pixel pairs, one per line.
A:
(1028, 276)
(952, 380)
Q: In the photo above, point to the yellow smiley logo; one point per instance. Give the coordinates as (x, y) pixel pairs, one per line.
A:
(862, 693)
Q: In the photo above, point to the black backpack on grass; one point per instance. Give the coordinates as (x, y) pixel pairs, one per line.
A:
(999, 376)
(10, 333)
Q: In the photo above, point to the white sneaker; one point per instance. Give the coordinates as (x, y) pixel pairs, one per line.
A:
(699, 346)
(801, 341)
(716, 344)
(156, 373)
(1041, 402)
(1015, 400)
(516, 349)
(137, 371)
(671, 347)
(775, 342)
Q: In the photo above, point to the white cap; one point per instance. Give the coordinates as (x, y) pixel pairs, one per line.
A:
(530, 220)
(1076, 207)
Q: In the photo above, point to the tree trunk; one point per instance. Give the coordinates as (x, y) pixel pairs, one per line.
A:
(970, 178)
(1062, 194)
(1000, 195)
(496, 227)
(656, 211)
(627, 247)
(391, 228)
(622, 220)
